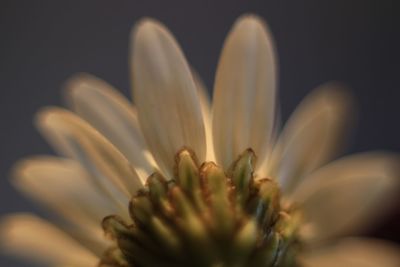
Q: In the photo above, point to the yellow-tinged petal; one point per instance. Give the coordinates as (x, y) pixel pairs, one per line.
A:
(348, 195)
(75, 138)
(355, 252)
(312, 136)
(165, 94)
(64, 187)
(30, 237)
(112, 115)
(244, 91)
(205, 105)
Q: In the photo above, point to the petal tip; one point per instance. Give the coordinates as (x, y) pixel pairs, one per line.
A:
(76, 82)
(79, 87)
(19, 170)
(9, 228)
(250, 18)
(44, 115)
(147, 28)
(250, 21)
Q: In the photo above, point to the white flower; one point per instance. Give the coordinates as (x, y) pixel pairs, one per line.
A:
(108, 147)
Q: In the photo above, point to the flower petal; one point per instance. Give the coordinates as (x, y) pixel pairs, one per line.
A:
(244, 91)
(312, 135)
(73, 137)
(348, 195)
(113, 116)
(64, 187)
(205, 105)
(356, 252)
(32, 238)
(165, 94)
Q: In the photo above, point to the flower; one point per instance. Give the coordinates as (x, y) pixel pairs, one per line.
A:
(205, 186)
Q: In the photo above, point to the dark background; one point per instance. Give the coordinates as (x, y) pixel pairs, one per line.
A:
(42, 43)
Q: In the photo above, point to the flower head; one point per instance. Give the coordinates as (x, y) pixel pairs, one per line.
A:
(172, 181)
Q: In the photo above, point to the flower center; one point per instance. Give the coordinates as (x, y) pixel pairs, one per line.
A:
(206, 217)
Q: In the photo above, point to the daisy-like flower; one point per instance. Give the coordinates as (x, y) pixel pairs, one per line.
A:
(174, 181)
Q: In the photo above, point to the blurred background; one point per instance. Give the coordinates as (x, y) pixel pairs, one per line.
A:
(42, 43)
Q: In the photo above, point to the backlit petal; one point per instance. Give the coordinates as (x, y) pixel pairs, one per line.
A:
(30, 237)
(353, 252)
(349, 194)
(64, 187)
(312, 136)
(73, 137)
(165, 95)
(244, 91)
(205, 104)
(113, 116)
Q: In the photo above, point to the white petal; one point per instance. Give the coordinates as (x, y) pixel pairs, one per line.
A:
(165, 94)
(354, 252)
(32, 238)
(244, 91)
(312, 136)
(206, 110)
(113, 116)
(64, 187)
(348, 195)
(73, 137)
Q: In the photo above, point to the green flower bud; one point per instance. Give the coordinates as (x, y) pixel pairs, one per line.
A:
(206, 217)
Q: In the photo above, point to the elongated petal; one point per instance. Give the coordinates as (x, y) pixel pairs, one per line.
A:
(73, 137)
(312, 136)
(205, 104)
(165, 94)
(112, 115)
(244, 91)
(32, 238)
(348, 195)
(356, 252)
(64, 187)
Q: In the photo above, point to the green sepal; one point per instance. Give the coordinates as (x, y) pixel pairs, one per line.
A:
(113, 257)
(265, 205)
(218, 190)
(158, 187)
(204, 217)
(268, 252)
(244, 243)
(241, 173)
(141, 209)
(187, 171)
(114, 227)
(166, 235)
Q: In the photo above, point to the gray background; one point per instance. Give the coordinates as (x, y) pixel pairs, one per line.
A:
(43, 42)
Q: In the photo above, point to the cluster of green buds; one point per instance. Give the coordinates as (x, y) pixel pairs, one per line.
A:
(205, 217)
